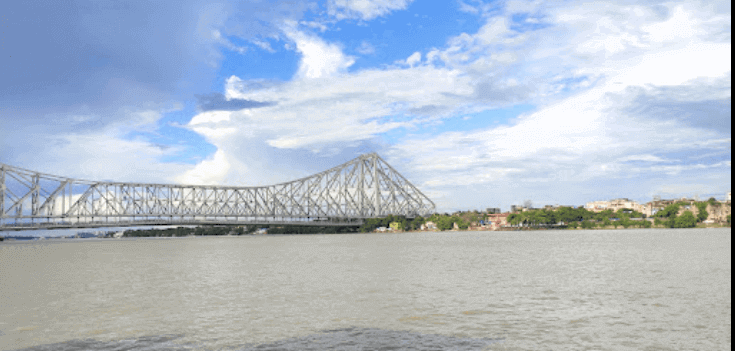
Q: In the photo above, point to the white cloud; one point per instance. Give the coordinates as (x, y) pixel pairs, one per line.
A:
(218, 38)
(319, 58)
(366, 48)
(589, 72)
(364, 9)
(106, 153)
(263, 45)
(464, 7)
(414, 59)
(212, 171)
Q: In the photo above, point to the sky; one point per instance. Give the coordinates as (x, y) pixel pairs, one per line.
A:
(478, 103)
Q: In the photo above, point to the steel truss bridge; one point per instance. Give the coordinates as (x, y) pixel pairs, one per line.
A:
(365, 187)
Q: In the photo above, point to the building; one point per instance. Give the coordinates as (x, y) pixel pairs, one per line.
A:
(497, 220)
(614, 205)
(650, 209)
(493, 210)
(728, 196)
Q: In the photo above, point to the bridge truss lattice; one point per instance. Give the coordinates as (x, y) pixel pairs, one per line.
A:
(365, 187)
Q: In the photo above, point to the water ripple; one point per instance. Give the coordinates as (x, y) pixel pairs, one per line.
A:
(338, 339)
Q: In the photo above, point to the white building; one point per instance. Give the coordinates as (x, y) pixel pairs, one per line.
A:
(614, 205)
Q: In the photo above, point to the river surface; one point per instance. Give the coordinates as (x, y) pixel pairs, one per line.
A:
(542, 290)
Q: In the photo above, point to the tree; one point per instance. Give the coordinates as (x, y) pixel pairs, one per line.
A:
(625, 222)
(702, 213)
(686, 220)
(669, 211)
(514, 218)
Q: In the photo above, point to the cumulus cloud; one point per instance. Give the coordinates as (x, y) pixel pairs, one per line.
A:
(97, 101)
(319, 59)
(364, 9)
(618, 97)
(106, 153)
(413, 59)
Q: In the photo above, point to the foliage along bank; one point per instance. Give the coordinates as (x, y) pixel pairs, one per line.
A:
(668, 217)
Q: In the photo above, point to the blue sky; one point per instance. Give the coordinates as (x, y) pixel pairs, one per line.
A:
(479, 103)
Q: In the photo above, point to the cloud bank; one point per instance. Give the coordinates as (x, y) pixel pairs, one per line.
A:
(629, 99)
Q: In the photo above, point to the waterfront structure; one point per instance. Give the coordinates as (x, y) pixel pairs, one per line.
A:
(497, 220)
(365, 187)
(616, 204)
(429, 225)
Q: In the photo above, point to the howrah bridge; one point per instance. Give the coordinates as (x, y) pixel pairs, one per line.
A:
(365, 187)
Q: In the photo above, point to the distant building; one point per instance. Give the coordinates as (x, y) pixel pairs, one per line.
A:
(614, 205)
(658, 204)
(497, 220)
(728, 196)
(493, 210)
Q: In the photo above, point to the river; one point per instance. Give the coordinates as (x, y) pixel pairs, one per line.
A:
(550, 290)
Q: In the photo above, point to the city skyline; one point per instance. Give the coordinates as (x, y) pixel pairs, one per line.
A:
(479, 104)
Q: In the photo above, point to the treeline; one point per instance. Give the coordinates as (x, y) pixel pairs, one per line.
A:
(669, 217)
(442, 221)
(370, 224)
(302, 229)
(238, 230)
(582, 218)
(579, 218)
(183, 231)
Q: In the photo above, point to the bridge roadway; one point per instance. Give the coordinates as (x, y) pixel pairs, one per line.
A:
(175, 222)
(365, 187)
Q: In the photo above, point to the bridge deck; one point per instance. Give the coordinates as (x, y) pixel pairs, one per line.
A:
(46, 225)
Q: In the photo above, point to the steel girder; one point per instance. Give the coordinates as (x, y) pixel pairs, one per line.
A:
(364, 187)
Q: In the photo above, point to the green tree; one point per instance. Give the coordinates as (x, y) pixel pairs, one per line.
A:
(515, 219)
(444, 223)
(669, 211)
(702, 213)
(686, 220)
(625, 222)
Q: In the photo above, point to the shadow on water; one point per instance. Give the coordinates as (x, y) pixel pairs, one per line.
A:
(337, 339)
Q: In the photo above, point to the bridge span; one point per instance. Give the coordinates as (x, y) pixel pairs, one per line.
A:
(365, 187)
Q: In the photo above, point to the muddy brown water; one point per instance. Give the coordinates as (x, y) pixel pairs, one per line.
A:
(551, 290)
